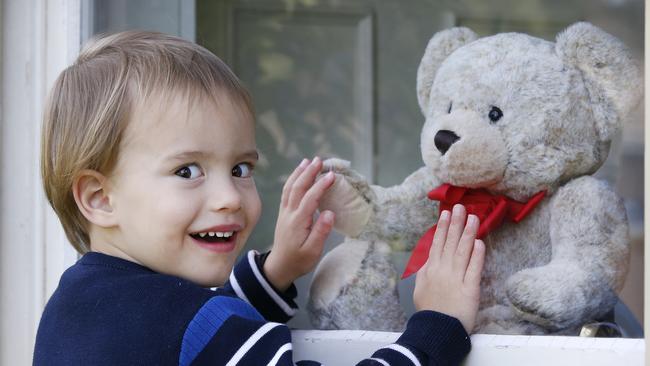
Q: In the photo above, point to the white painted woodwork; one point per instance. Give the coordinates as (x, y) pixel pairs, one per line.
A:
(39, 39)
(349, 347)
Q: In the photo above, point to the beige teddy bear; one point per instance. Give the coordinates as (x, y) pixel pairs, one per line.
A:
(526, 122)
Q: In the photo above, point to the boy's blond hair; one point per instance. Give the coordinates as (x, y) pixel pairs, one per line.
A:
(90, 104)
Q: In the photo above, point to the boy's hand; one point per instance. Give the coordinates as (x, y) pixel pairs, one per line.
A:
(298, 241)
(449, 280)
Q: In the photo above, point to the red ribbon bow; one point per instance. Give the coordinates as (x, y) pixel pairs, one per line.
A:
(490, 209)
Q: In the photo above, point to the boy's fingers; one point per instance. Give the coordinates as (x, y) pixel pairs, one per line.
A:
(475, 267)
(438, 243)
(319, 232)
(466, 245)
(418, 274)
(286, 190)
(455, 231)
(311, 199)
(304, 182)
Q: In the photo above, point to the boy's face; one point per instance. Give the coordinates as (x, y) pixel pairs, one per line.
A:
(182, 190)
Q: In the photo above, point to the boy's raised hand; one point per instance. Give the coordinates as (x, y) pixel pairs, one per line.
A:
(298, 241)
(449, 281)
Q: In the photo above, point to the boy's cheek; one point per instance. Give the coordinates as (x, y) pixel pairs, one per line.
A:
(256, 210)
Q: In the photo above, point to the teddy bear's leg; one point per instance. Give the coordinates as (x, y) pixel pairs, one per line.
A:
(502, 319)
(355, 287)
(560, 295)
(590, 251)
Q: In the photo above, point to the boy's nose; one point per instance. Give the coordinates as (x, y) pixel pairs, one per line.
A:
(225, 197)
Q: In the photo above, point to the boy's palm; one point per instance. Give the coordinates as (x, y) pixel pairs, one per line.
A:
(449, 281)
(298, 241)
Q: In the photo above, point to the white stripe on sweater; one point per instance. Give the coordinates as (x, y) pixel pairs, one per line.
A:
(380, 361)
(269, 290)
(237, 288)
(250, 342)
(282, 350)
(406, 352)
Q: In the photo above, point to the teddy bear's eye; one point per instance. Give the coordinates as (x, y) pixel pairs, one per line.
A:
(495, 114)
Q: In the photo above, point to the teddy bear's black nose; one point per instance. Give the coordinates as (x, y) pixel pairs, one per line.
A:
(444, 139)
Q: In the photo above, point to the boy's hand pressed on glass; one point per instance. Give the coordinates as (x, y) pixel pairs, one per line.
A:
(298, 241)
(449, 281)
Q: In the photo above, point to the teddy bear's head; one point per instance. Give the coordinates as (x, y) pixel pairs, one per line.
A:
(517, 114)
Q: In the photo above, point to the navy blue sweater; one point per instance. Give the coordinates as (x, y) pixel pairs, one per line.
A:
(109, 311)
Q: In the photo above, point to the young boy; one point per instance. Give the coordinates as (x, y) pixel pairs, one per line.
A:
(147, 158)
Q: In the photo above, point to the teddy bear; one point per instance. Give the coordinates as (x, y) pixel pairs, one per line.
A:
(514, 127)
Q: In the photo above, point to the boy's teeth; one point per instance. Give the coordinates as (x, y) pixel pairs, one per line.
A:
(218, 234)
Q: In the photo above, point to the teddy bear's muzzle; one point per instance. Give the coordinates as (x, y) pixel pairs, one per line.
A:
(444, 139)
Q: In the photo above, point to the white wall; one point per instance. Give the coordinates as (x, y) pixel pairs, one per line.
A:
(39, 38)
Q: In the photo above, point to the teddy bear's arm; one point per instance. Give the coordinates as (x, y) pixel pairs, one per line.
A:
(403, 212)
(590, 251)
(397, 215)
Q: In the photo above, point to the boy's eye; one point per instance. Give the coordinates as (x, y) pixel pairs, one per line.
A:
(242, 170)
(191, 171)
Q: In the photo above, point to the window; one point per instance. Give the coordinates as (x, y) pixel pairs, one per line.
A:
(333, 78)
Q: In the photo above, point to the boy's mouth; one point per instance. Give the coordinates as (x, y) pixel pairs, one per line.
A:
(215, 236)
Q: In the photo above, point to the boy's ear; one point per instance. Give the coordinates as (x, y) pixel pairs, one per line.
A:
(91, 196)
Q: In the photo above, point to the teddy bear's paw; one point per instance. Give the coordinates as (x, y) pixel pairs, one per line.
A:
(343, 168)
(336, 165)
(502, 319)
(504, 328)
(495, 314)
(511, 328)
(355, 287)
(543, 297)
(350, 198)
(356, 310)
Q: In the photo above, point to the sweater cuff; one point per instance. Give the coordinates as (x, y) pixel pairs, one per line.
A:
(290, 294)
(440, 337)
(250, 284)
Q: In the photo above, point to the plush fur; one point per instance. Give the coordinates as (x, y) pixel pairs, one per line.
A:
(562, 104)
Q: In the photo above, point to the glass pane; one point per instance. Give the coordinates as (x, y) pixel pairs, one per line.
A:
(304, 97)
(284, 51)
(337, 78)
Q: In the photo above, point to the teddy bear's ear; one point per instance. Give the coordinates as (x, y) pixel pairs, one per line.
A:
(612, 78)
(441, 45)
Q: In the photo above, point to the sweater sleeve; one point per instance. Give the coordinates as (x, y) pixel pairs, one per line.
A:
(248, 282)
(228, 331)
(430, 338)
